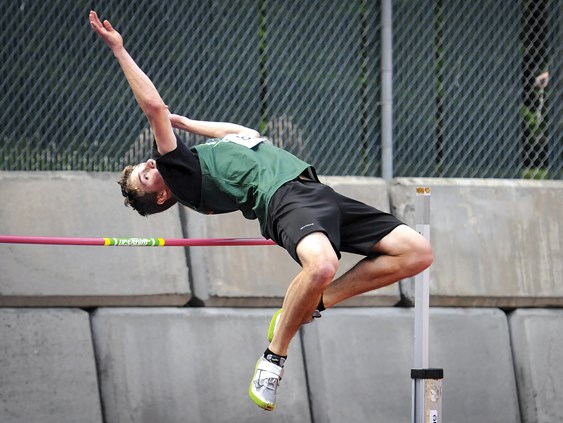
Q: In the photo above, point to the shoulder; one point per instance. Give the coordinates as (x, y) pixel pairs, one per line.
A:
(181, 152)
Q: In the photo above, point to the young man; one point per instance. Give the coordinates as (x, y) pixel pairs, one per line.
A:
(238, 170)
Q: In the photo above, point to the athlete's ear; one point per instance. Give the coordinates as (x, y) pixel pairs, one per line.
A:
(163, 196)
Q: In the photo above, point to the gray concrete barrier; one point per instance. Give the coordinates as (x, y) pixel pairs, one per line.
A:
(78, 204)
(537, 345)
(496, 242)
(47, 367)
(259, 276)
(359, 362)
(179, 365)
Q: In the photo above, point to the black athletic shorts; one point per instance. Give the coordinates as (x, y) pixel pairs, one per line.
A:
(301, 207)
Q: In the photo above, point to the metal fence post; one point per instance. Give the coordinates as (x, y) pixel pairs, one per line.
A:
(386, 89)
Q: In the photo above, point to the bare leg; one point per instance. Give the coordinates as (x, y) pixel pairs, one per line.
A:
(404, 252)
(319, 264)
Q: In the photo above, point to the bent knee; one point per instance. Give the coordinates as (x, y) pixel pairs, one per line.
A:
(318, 258)
(423, 255)
(412, 248)
(418, 255)
(322, 272)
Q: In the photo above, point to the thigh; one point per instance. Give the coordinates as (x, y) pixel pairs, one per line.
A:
(363, 226)
(316, 250)
(400, 241)
(302, 208)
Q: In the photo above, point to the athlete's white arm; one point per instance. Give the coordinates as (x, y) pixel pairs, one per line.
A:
(210, 129)
(145, 92)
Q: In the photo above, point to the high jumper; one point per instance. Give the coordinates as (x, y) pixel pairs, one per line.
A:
(240, 170)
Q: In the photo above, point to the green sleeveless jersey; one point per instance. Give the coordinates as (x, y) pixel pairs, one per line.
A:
(237, 177)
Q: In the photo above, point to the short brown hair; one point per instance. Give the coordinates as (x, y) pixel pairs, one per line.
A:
(143, 202)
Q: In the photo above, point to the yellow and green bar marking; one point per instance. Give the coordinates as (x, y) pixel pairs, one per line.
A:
(134, 242)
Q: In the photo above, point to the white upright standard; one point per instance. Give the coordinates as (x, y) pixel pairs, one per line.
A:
(427, 383)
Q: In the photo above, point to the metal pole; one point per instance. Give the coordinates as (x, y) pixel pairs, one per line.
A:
(387, 89)
(427, 383)
(422, 283)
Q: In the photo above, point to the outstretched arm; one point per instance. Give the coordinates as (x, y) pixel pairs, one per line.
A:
(144, 90)
(210, 129)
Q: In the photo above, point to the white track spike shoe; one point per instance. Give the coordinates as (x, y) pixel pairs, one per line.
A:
(264, 384)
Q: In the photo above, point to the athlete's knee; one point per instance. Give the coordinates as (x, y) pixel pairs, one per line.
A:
(419, 255)
(321, 269)
(318, 259)
(411, 248)
(322, 272)
(425, 255)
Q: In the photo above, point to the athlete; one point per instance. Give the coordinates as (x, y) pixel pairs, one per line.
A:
(239, 170)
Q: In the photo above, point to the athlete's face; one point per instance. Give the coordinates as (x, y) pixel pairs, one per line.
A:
(146, 177)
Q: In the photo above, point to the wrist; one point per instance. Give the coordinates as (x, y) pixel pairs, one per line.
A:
(118, 51)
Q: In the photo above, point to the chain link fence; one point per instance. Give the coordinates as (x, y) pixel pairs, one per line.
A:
(476, 84)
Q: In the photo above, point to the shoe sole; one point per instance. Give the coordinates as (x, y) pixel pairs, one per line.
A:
(272, 327)
(275, 318)
(259, 402)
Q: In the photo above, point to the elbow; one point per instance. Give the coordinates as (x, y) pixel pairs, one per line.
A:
(155, 108)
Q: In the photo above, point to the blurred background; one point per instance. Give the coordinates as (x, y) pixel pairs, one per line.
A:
(476, 87)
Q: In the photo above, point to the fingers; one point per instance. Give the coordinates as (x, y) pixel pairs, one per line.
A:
(94, 21)
(107, 25)
(97, 25)
(105, 30)
(94, 18)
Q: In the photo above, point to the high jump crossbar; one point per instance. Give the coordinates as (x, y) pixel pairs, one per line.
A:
(136, 242)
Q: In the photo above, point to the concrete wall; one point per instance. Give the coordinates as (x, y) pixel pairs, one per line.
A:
(497, 244)
(375, 346)
(197, 366)
(537, 343)
(77, 204)
(47, 367)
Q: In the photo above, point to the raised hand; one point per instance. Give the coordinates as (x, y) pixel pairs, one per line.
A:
(106, 32)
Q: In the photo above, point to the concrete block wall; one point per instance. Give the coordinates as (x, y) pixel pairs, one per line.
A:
(538, 353)
(78, 204)
(498, 243)
(196, 367)
(66, 355)
(47, 367)
(363, 358)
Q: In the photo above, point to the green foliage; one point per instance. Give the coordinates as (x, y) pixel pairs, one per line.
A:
(533, 124)
(533, 173)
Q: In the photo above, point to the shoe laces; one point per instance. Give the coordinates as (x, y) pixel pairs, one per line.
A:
(269, 383)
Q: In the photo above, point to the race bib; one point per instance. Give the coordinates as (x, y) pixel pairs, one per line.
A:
(249, 142)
